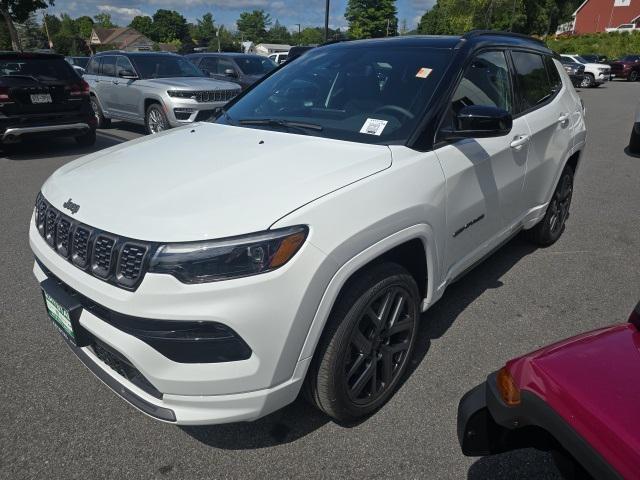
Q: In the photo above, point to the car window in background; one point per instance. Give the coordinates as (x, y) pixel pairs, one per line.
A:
(579, 59)
(351, 93)
(109, 66)
(93, 68)
(532, 78)
(630, 58)
(225, 64)
(164, 66)
(81, 61)
(255, 65)
(210, 64)
(123, 63)
(43, 69)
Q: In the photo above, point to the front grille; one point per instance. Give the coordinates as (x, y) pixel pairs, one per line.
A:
(209, 96)
(118, 260)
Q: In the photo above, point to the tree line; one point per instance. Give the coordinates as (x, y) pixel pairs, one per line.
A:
(532, 17)
(69, 36)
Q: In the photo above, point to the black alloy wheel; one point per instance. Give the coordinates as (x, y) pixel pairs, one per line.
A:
(367, 343)
(633, 76)
(379, 345)
(550, 228)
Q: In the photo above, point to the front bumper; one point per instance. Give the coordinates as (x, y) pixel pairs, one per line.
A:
(184, 111)
(264, 310)
(603, 77)
(487, 426)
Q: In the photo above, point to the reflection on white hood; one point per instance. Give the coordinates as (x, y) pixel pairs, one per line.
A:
(207, 181)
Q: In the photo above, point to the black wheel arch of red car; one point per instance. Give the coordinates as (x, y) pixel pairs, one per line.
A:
(487, 426)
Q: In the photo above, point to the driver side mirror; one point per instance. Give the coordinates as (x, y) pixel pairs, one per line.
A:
(479, 121)
(127, 74)
(230, 72)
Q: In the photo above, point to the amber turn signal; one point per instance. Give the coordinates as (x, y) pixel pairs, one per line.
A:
(508, 389)
(288, 248)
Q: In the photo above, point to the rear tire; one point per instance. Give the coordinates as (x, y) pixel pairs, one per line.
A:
(550, 228)
(87, 139)
(367, 343)
(101, 120)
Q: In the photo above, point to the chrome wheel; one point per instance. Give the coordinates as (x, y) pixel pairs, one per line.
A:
(587, 81)
(155, 120)
(379, 345)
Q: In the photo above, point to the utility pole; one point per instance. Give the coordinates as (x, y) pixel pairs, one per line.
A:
(513, 15)
(299, 33)
(326, 22)
(388, 20)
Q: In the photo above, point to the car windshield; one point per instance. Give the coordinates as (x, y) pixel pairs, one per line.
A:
(164, 66)
(255, 65)
(367, 95)
(580, 59)
(630, 58)
(41, 69)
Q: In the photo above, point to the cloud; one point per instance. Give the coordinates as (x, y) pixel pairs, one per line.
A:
(122, 12)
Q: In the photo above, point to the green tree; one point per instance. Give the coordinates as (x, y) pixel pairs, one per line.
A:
(279, 34)
(19, 11)
(253, 25)
(68, 26)
(85, 26)
(228, 41)
(144, 25)
(204, 30)
(169, 25)
(103, 20)
(30, 33)
(372, 18)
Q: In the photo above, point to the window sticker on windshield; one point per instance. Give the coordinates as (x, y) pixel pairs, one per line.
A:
(373, 126)
(424, 72)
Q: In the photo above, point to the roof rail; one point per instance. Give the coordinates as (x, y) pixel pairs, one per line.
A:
(477, 33)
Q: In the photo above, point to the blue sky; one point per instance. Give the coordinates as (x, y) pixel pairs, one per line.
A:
(288, 12)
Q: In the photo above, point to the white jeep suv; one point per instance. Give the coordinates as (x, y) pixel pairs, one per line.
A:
(207, 273)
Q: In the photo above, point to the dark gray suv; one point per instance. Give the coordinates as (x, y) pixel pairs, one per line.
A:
(240, 68)
(157, 90)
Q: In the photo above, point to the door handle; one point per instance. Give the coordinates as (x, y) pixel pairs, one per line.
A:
(520, 141)
(115, 82)
(563, 120)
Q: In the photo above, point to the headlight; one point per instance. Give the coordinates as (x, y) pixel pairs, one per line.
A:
(181, 94)
(210, 261)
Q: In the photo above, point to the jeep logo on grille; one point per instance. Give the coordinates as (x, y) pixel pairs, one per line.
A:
(69, 205)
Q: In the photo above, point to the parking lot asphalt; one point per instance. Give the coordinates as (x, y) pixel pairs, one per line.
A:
(58, 421)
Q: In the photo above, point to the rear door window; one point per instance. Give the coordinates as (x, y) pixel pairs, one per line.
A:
(94, 66)
(109, 66)
(533, 80)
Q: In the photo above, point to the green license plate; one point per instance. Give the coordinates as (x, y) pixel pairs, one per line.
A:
(59, 315)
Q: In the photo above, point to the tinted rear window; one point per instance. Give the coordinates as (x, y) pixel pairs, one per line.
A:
(532, 79)
(41, 68)
(109, 66)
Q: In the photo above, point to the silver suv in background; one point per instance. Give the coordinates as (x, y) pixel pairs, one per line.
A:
(157, 90)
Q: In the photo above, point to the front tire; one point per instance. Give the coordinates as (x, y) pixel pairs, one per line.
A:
(550, 228)
(367, 344)
(588, 81)
(155, 119)
(633, 76)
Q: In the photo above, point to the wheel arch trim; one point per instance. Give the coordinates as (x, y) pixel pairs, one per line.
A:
(423, 232)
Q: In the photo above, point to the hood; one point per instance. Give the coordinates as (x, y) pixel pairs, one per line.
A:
(197, 83)
(597, 66)
(207, 181)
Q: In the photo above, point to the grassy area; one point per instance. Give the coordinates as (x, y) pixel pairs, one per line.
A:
(613, 45)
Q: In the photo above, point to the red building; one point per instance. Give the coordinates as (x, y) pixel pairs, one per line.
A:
(598, 15)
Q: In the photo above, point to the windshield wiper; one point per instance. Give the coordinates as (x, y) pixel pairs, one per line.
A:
(274, 122)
